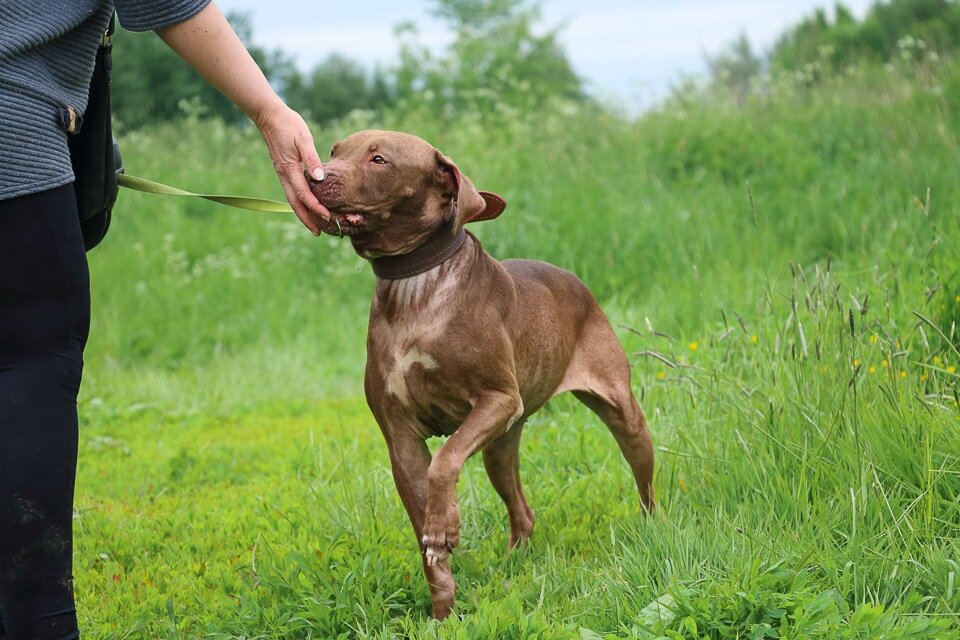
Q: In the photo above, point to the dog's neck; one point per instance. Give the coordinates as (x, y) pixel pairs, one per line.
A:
(437, 249)
(432, 293)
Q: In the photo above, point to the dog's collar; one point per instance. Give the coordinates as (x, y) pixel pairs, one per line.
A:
(438, 248)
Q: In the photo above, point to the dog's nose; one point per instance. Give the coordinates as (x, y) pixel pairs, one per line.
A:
(330, 176)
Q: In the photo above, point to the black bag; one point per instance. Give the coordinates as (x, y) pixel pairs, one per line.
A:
(94, 152)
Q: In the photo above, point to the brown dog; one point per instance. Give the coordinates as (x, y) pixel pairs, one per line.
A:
(462, 345)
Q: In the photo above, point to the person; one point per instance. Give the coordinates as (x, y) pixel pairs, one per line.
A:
(47, 52)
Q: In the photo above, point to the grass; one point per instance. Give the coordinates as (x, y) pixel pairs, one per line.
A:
(785, 273)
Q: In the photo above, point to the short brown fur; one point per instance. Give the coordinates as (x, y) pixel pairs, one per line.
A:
(470, 348)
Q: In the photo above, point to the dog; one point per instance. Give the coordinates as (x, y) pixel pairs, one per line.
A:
(462, 345)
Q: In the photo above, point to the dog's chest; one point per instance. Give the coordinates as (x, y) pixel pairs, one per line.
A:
(406, 351)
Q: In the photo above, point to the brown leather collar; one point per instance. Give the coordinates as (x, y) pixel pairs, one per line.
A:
(438, 248)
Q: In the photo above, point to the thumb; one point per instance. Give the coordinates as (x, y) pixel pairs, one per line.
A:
(312, 161)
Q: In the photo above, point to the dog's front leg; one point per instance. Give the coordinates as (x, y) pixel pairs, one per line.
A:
(492, 414)
(410, 462)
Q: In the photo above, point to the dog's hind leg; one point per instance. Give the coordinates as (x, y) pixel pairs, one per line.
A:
(501, 458)
(599, 376)
(626, 421)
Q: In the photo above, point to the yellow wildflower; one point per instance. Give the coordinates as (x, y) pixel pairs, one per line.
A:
(951, 369)
(753, 339)
(903, 374)
(661, 375)
(694, 345)
(874, 338)
(872, 369)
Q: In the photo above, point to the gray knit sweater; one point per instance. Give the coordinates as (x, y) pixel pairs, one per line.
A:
(47, 52)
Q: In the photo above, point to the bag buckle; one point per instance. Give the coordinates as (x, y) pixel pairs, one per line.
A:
(69, 121)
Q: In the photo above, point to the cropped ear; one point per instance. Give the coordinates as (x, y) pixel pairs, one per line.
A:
(471, 205)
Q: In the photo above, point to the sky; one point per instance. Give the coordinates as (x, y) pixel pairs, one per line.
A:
(628, 51)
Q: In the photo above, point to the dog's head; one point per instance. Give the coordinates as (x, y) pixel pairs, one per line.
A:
(390, 191)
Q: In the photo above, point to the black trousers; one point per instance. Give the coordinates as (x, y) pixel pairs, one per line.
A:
(44, 320)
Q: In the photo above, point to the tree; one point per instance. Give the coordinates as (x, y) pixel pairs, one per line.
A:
(879, 38)
(735, 68)
(497, 58)
(334, 88)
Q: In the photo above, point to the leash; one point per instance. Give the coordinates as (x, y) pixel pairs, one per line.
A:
(240, 202)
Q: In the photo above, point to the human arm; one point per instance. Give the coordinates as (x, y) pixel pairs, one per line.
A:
(207, 42)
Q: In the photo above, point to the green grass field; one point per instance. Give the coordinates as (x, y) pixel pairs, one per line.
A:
(784, 272)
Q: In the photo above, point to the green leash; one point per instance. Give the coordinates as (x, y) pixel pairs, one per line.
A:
(240, 202)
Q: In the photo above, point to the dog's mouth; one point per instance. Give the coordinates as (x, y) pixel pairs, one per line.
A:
(344, 223)
(349, 223)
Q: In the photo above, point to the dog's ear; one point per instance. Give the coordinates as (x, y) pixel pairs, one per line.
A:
(472, 205)
(494, 206)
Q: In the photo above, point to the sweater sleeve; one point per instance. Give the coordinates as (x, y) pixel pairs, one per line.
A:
(147, 15)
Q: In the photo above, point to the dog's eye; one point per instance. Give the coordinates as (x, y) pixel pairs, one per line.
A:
(378, 160)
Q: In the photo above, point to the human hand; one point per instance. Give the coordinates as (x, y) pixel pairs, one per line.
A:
(292, 148)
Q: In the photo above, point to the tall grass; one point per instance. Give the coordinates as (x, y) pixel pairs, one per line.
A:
(785, 273)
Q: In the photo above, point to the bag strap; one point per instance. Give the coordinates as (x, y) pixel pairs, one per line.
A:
(67, 117)
(105, 54)
(107, 39)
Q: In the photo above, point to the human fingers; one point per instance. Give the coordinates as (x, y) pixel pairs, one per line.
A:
(295, 197)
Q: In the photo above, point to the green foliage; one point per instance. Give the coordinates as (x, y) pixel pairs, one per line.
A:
(782, 271)
(478, 14)
(151, 84)
(334, 88)
(894, 29)
(497, 63)
(736, 69)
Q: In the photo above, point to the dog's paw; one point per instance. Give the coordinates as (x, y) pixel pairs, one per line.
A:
(434, 555)
(441, 533)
